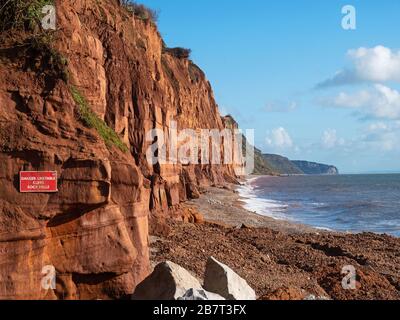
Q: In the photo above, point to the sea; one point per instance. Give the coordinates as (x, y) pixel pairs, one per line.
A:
(347, 203)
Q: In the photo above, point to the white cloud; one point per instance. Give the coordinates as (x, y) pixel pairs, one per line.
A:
(355, 100)
(330, 139)
(378, 64)
(383, 136)
(377, 102)
(379, 136)
(279, 138)
(377, 126)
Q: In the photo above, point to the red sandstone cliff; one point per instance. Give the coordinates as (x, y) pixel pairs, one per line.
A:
(94, 231)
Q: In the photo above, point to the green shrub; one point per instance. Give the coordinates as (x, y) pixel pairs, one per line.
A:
(109, 136)
(140, 10)
(180, 53)
(21, 14)
(34, 12)
(53, 63)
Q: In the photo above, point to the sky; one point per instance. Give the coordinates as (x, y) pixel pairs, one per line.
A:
(311, 89)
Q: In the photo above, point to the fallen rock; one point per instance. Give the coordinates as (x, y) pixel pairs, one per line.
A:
(159, 227)
(200, 295)
(189, 215)
(167, 282)
(243, 226)
(222, 280)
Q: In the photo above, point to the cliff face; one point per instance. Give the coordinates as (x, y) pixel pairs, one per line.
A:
(281, 164)
(94, 231)
(316, 168)
(261, 165)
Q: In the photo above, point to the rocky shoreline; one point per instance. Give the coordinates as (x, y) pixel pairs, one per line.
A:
(225, 206)
(280, 260)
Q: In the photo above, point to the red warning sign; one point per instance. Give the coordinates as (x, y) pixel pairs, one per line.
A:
(38, 181)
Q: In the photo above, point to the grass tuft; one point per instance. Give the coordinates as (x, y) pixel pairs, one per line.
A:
(21, 14)
(109, 136)
(53, 63)
(180, 53)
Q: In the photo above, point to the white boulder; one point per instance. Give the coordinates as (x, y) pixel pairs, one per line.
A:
(222, 280)
(199, 295)
(167, 282)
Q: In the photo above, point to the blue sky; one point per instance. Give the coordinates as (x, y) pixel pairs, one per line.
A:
(288, 69)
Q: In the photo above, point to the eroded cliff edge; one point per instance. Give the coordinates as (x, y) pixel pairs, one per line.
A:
(94, 231)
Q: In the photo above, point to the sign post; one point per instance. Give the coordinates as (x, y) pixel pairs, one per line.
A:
(37, 181)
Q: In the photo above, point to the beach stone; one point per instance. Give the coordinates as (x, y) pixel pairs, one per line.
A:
(168, 281)
(312, 297)
(200, 295)
(222, 280)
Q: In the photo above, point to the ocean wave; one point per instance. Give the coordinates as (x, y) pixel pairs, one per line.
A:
(319, 204)
(324, 229)
(265, 207)
(353, 204)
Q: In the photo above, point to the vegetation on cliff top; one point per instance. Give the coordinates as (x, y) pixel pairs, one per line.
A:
(178, 52)
(140, 11)
(282, 164)
(315, 168)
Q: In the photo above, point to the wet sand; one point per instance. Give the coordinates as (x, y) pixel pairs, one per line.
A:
(225, 207)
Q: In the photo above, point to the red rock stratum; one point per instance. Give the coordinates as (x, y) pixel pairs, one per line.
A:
(94, 231)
